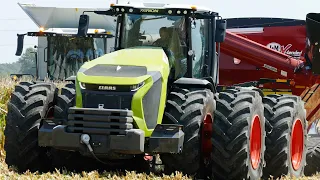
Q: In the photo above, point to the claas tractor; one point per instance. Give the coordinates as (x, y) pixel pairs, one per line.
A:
(149, 97)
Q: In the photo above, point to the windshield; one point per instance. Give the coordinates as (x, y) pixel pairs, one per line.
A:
(163, 31)
(67, 54)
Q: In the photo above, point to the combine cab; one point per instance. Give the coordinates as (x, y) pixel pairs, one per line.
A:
(60, 51)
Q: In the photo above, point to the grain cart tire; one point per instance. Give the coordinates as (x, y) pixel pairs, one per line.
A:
(313, 155)
(238, 135)
(288, 127)
(194, 110)
(29, 103)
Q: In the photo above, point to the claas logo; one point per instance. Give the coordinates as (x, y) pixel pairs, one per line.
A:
(150, 10)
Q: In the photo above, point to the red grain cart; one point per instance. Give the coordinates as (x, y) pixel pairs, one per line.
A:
(279, 56)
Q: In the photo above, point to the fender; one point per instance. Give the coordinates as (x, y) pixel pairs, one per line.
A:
(194, 83)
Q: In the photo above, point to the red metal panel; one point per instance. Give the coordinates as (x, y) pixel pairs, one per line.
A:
(259, 55)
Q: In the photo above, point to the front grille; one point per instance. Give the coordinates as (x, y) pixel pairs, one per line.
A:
(109, 100)
(99, 121)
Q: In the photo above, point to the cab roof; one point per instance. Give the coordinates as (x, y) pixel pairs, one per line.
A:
(150, 5)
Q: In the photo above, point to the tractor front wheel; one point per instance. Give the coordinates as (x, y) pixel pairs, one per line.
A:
(238, 135)
(194, 110)
(29, 103)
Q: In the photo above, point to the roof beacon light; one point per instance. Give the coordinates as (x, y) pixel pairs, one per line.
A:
(41, 29)
(194, 8)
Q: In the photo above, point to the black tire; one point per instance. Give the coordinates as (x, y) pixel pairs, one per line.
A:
(65, 159)
(68, 160)
(65, 100)
(29, 103)
(313, 155)
(188, 108)
(237, 109)
(281, 112)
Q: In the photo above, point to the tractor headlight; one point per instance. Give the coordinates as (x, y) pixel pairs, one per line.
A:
(136, 86)
(82, 85)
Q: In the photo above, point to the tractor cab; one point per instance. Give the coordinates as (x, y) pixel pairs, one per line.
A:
(187, 34)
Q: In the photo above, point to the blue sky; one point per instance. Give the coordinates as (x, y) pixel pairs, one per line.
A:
(13, 20)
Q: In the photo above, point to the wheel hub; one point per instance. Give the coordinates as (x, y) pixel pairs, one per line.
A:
(255, 142)
(296, 144)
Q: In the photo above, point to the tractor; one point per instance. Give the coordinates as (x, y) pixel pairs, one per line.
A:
(155, 97)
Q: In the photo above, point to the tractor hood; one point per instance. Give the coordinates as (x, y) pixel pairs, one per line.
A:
(125, 67)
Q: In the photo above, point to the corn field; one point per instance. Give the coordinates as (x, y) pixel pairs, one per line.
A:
(6, 87)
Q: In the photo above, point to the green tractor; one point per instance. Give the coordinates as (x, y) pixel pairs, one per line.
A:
(156, 94)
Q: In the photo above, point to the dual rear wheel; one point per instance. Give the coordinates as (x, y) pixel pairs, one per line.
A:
(252, 136)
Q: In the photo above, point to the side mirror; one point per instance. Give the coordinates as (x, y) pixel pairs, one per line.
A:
(83, 25)
(20, 44)
(221, 27)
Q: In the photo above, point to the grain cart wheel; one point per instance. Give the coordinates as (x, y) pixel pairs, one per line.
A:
(238, 135)
(29, 103)
(313, 155)
(194, 110)
(287, 136)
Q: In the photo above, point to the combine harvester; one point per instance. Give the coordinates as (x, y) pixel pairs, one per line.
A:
(60, 52)
(162, 97)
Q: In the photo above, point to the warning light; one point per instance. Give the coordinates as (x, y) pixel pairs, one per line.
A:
(194, 8)
(108, 32)
(292, 83)
(96, 31)
(15, 78)
(112, 4)
(41, 29)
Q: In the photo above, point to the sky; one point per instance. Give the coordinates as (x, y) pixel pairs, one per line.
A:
(13, 20)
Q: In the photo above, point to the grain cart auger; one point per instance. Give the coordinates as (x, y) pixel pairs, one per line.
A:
(155, 96)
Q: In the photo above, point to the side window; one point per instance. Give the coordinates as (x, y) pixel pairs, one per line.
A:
(199, 46)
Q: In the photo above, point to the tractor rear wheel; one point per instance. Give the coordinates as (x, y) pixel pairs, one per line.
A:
(194, 110)
(313, 155)
(238, 135)
(286, 135)
(29, 103)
